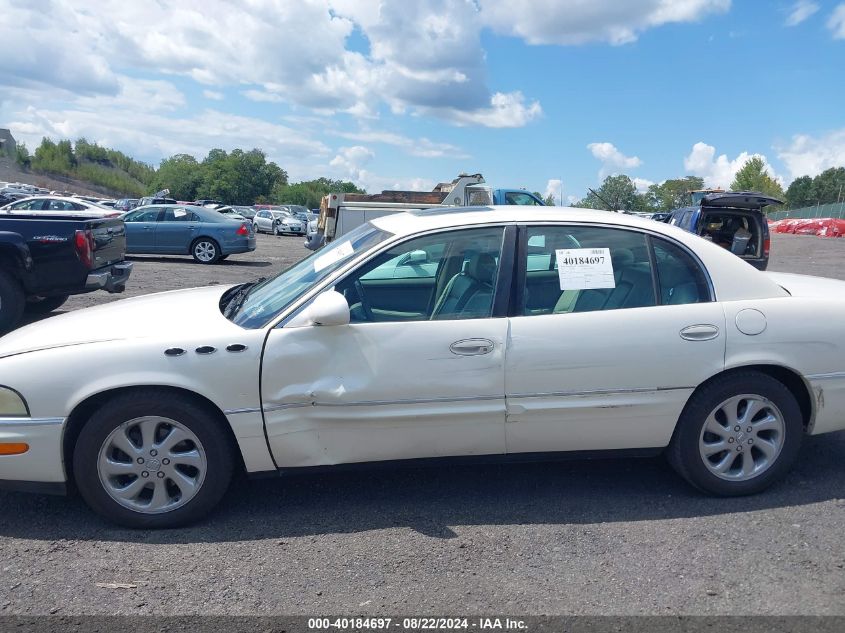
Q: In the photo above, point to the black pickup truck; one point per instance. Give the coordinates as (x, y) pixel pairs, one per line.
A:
(46, 258)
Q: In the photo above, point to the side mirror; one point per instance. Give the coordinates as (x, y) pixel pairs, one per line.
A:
(415, 258)
(328, 308)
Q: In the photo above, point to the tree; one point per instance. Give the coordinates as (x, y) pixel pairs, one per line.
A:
(549, 200)
(801, 193)
(310, 193)
(617, 193)
(753, 176)
(181, 174)
(829, 186)
(673, 193)
(22, 157)
(239, 177)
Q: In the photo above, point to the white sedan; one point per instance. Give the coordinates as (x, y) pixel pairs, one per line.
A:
(511, 333)
(277, 222)
(60, 205)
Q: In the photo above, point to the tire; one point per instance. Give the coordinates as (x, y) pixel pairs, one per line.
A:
(116, 424)
(255, 228)
(205, 250)
(276, 230)
(761, 456)
(12, 301)
(44, 305)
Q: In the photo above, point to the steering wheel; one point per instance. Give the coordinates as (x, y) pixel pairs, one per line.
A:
(365, 305)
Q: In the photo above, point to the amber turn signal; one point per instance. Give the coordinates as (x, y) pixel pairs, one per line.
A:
(13, 448)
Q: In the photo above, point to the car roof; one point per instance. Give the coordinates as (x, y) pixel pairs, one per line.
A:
(42, 196)
(733, 278)
(206, 213)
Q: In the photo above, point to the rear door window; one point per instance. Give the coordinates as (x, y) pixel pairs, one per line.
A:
(680, 278)
(605, 269)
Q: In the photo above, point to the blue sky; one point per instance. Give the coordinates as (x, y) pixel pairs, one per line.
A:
(397, 94)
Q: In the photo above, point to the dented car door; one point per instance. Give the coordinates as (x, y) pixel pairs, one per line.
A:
(423, 381)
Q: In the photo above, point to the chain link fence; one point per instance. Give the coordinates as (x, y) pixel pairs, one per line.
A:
(833, 210)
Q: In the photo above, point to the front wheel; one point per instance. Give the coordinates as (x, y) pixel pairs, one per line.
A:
(11, 302)
(205, 251)
(737, 435)
(44, 305)
(151, 460)
(277, 230)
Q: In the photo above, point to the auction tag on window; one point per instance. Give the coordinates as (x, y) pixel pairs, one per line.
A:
(178, 213)
(585, 268)
(334, 255)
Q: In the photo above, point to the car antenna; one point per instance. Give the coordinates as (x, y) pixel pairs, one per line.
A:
(596, 194)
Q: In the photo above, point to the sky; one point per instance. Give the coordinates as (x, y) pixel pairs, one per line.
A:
(550, 95)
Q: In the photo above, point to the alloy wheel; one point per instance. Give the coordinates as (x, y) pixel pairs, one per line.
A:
(205, 251)
(742, 437)
(152, 465)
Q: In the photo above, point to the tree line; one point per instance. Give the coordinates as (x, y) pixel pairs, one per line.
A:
(236, 177)
(618, 192)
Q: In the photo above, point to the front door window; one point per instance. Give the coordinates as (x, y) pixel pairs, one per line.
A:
(444, 276)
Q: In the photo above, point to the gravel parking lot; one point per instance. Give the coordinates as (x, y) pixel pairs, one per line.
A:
(586, 537)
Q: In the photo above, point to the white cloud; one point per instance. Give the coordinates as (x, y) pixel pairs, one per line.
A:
(809, 156)
(836, 22)
(642, 184)
(719, 171)
(505, 110)
(579, 21)
(421, 147)
(800, 11)
(350, 162)
(612, 160)
(554, 187)
(263, 96)
(213, 95)
(164, 134)
(424, 56)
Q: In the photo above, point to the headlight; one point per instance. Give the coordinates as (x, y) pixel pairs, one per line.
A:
(12, 404)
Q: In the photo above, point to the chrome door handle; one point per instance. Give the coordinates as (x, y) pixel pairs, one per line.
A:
(472, 347)
(701, 332)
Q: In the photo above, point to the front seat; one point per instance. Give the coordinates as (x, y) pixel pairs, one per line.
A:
(469, 294)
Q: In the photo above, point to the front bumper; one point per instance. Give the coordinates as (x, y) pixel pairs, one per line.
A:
(43, 462)
(111, 279)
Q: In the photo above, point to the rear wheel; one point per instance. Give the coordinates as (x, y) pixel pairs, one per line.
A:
(149, 460)
(43, 305)
(12, 302)
(205, 250)
(737, 435)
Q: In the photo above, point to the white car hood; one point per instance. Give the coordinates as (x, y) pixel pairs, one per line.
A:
(191, 312)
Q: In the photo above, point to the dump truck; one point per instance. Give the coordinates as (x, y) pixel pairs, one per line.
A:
(342, 212)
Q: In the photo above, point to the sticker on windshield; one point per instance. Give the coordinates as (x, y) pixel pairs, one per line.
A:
(584, 268)
(178, 213)
(334, 255)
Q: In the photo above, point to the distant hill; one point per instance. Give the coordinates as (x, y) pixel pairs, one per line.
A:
(80, 166)
(11, 172)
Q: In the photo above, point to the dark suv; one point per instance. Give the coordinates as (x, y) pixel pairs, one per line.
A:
(732, 219)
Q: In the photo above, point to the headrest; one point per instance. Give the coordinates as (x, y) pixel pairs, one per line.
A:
(481, 267)
(621, 257)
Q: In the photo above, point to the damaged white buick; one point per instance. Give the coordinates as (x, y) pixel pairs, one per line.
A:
(435, 334)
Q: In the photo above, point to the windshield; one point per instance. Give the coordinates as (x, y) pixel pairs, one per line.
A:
(267, 299)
